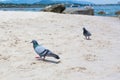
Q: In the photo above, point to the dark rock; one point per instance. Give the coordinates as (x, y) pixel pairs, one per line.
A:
(117, 12)
(101, 13)
(58, 8)
(85, 11)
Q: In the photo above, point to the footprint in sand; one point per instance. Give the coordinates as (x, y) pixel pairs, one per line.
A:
(4, 57)
(103, 44)
(90, 57)
(117, 68)
(77, 69)
(33, 63)
(15, 42)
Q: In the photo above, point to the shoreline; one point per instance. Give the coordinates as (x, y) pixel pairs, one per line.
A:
(108, 11)
(58, 13)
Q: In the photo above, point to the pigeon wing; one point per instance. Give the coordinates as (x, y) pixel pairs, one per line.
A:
(39, 49)
(88, 33)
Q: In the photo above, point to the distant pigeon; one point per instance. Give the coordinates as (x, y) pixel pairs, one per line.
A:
(43, 52)
(86, 33)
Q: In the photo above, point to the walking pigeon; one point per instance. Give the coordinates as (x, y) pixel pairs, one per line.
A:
(86, 33)
(43, 52)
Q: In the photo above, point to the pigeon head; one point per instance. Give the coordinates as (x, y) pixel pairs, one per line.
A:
(35, 43)
(84, 28)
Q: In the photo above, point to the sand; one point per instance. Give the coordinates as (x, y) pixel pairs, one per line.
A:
(95, 59)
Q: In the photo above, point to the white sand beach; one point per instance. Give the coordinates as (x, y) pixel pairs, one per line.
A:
(95, 59)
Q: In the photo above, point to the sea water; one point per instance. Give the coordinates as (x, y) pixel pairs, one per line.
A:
(109, 10)
(20, 9)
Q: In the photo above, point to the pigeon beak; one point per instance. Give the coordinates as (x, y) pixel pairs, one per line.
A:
(31, 42)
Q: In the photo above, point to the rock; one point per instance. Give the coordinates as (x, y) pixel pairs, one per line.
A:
(101, 13)
(117, 12)
(58, 8)
(85, 11)
(119, 16)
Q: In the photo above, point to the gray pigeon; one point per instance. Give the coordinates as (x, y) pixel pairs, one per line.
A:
(43, 52)
(86, 33)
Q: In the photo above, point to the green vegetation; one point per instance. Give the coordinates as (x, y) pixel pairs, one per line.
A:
(36, 5)
(11, 5)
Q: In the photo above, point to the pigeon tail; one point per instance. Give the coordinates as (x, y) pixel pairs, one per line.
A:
(55, 56)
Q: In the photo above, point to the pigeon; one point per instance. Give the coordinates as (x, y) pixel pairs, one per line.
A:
(42, 51)
(86, 33)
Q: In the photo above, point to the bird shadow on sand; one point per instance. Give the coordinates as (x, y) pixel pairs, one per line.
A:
(88, 39)
(49, 61)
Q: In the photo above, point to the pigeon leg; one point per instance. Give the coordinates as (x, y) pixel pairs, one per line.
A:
(86, 37)
(37, 56)
(43, 57)
(89, 38)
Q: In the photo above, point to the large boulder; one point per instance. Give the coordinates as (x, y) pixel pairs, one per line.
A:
(85, 11)
(58, 8)
(101, 13)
